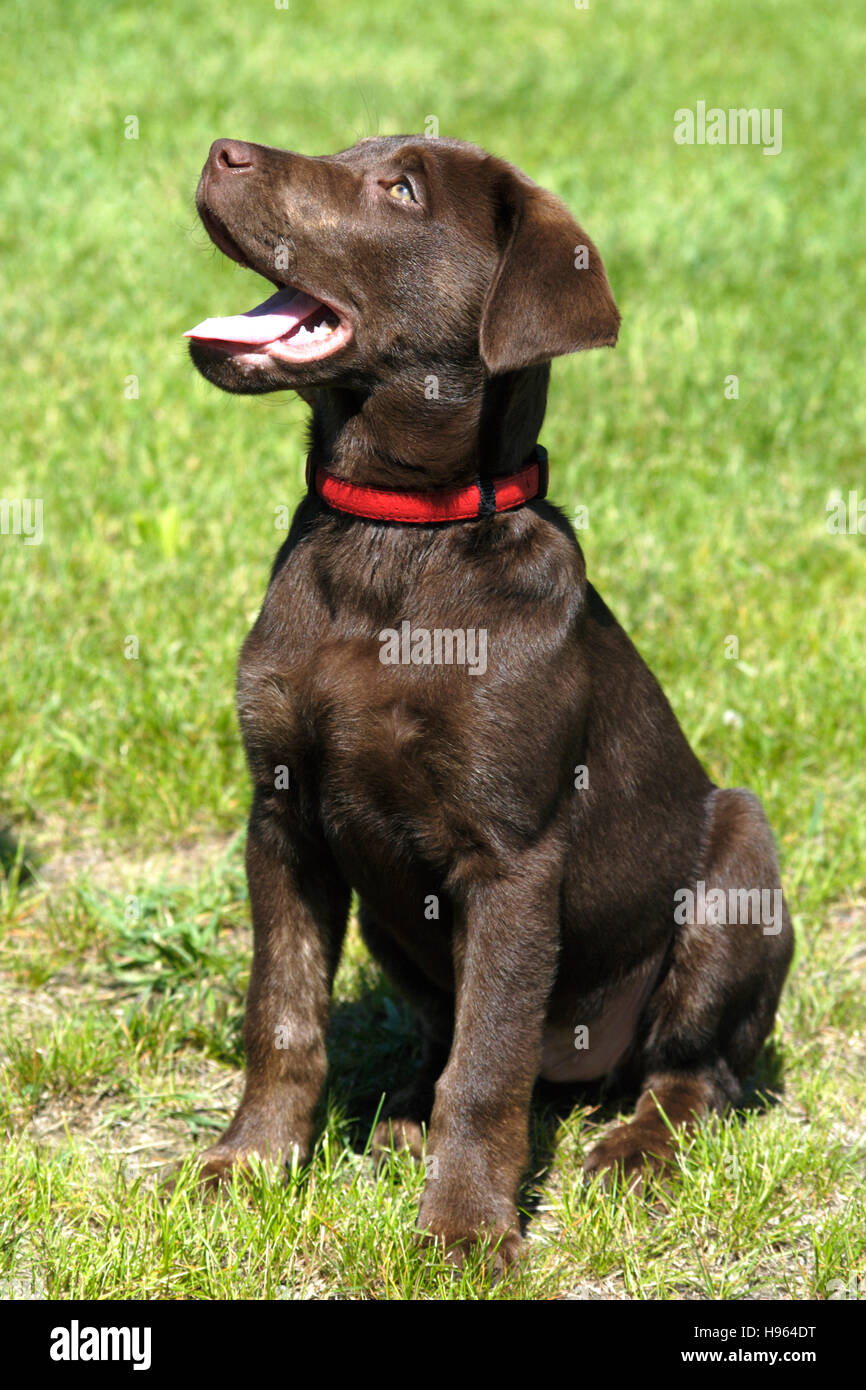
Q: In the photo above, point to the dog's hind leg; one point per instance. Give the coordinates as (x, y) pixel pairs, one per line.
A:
(707, 1021)
(407, 1112)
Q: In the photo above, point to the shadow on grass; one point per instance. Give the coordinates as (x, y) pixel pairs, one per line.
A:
(765, 1088)
(374, 1047)
(17, 864)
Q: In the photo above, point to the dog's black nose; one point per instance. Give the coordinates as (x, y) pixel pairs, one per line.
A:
(233, 156)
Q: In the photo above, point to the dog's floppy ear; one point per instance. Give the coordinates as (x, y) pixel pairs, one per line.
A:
(549, 294)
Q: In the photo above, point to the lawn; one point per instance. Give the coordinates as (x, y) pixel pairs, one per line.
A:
(125, 938)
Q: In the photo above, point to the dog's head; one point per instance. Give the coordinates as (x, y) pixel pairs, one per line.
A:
(400, 253)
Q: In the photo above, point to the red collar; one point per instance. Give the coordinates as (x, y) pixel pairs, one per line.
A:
(482, 498)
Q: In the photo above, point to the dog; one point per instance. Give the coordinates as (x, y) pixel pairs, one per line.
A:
(544, 868)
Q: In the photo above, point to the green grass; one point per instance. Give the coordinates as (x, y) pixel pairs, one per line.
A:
(124, 969)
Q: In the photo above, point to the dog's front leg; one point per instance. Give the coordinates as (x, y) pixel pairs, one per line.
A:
(299, 909)
(506, 943)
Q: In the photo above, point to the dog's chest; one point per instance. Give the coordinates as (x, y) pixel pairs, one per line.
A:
(393, 696)
(375, 736)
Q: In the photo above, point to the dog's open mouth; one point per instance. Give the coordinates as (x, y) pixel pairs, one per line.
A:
(291, 326)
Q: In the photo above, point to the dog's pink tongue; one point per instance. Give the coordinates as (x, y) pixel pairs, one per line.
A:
(273, 319)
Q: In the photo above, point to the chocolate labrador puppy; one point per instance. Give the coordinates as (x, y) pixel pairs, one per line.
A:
(439, 710)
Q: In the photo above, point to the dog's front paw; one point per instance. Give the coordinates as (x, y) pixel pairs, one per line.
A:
(214, 1167)
(630, 1153)
(457, 1230)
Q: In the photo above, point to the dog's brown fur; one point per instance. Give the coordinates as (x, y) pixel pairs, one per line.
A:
(409, 782)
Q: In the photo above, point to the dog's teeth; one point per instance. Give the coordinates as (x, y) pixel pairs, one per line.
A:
(320, 330)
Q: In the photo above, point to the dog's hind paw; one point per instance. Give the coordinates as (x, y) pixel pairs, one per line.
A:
(397, 1134)
(629, 1155)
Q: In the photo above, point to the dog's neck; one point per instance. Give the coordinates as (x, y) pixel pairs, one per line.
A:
(414, 433)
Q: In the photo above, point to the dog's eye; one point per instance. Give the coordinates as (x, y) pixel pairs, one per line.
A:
(402, 191)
